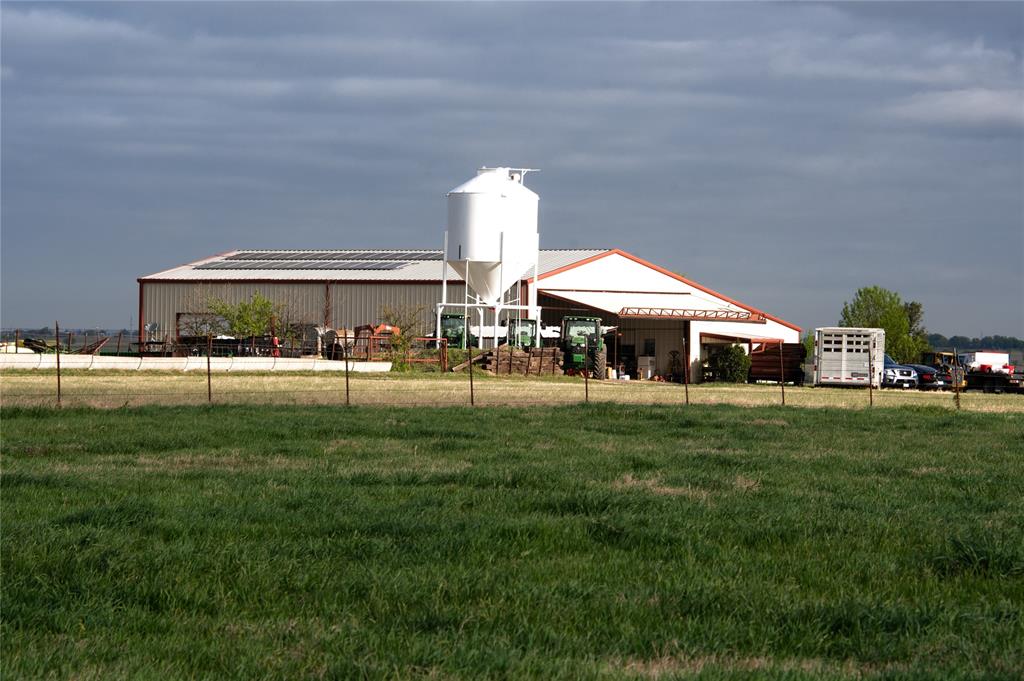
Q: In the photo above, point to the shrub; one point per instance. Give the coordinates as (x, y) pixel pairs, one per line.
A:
(730, 364)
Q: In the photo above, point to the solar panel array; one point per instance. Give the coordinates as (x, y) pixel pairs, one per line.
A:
(320, 260)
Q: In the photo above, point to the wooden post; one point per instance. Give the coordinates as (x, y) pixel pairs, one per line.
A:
(119, 335)
(17, 337)
(686, 371)
(56, 335)
(70, 340)
(86, 342)
(782, 374)
(344, 354)
(586, 369)
(472, 399)
(209, 380)
(871, 373)
(956, 379)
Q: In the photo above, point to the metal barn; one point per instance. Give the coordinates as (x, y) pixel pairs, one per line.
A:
(656, 311)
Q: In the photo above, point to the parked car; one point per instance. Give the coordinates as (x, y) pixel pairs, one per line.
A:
(898, 375)
(930, 378)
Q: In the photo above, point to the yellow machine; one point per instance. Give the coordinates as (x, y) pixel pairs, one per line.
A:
(947, 361)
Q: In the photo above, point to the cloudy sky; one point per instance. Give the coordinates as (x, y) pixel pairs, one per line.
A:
(783, 154)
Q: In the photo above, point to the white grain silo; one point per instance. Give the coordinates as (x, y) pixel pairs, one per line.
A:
(492, 241)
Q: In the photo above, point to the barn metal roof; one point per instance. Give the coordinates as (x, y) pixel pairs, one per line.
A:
(658, 305)
(339, 265)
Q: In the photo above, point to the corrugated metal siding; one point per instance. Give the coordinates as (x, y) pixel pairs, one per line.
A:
(350, 304)
(163, 301)
(355, 304)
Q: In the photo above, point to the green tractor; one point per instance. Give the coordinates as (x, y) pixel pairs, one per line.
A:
(453, 328)
(522, 333)
(583, 346)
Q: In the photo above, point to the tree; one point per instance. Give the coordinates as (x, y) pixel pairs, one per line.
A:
(874, 306)
(408, 319)
(809, 344)
(253, 317)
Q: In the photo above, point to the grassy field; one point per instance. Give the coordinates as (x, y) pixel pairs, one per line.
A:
(117, 389)
(598, 541)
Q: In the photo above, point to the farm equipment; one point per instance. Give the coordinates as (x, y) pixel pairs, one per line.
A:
(947, 364)
(454, 330)
(583, 346)
(522, 333)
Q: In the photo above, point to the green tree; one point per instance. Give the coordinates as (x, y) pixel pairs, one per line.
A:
(874, 306)
(809, 344)
(253, 317)
(408, 319)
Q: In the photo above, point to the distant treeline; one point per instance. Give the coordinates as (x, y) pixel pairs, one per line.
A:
(940, 342)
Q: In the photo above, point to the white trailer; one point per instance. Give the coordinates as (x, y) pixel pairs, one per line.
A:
(849, 356)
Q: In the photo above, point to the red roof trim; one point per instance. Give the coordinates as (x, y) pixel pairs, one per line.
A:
(677, 277)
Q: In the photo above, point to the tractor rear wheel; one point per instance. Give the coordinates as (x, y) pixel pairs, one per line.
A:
(601, 364)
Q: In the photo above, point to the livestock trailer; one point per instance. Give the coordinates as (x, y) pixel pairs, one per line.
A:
(849, 356)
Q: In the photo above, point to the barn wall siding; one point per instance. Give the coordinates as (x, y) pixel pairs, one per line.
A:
(349, 305)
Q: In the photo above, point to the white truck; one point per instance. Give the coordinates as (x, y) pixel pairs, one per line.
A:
(849, 356)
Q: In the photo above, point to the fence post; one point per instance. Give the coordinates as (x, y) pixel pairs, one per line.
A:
(956, 378)
(70, 340)
(686, 371)
(17, 337)
(586, 369)
(344, 354)
(119, 335)
(871, 373)
(782, 375)
(209, 380)
(472, 399)
(56, 335)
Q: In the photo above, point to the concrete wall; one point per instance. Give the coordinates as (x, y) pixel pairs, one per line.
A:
(217, 364)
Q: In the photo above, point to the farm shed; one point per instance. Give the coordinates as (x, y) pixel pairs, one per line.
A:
(653, 308)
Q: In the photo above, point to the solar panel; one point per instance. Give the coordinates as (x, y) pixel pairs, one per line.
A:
(304, 265)
(335, 255)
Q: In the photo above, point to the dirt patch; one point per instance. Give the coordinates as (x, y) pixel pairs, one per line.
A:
(655, 486)
(745, 484)
(672, 666)
(770, 422)
(402, 465)
(231, 461)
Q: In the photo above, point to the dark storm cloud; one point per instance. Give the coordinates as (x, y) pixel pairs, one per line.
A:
(786, 154)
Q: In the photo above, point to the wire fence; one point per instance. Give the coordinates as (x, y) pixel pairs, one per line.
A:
(347, 371)
(108, 389)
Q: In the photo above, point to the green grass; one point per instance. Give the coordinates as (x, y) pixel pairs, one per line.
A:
(607, 541)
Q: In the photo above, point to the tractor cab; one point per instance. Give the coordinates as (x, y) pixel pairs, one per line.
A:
(453, 328)
(583, 346)
(522, 333)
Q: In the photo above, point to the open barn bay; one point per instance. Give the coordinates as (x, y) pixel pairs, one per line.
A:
(590, 541)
